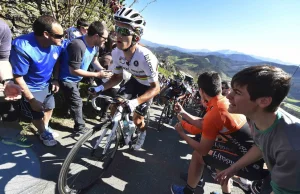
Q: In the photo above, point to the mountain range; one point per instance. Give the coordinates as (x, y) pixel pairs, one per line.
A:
(225, 62)
(234, 55)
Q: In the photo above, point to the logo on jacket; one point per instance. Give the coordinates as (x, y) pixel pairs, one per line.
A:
(55, 55)
(136, 63)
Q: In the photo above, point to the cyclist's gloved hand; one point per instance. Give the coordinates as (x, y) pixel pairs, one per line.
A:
(132, 104)
(96, 89)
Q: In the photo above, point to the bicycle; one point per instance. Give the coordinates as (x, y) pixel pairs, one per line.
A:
(167, 113)
(97, 145)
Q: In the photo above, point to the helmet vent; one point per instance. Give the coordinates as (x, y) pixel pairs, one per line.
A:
(128, 12)
(134, 15)
(122, 11)
(138, 21)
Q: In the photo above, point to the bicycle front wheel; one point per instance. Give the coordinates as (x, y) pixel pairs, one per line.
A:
(87, 161)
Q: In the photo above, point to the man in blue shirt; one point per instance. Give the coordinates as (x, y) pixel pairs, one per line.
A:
(33, 57)
(75, 60)
(80, 29)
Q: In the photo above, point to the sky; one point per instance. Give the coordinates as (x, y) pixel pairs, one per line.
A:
(267, 28)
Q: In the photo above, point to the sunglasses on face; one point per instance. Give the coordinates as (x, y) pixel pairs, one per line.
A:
(123, 31)
(56, 36)
(105, 38)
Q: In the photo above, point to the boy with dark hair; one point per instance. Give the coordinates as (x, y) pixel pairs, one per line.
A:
(257, 92)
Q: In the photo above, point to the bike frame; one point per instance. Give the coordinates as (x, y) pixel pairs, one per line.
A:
(117, 121)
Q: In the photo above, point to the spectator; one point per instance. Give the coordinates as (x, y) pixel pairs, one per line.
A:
(257, 92)
(9, 91)
(33, 57)
(217, 122)
(80, 29)
(76, 59)
(225, 87)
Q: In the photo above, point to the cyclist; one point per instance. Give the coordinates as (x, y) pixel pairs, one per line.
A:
(176, 88)
(140, 62)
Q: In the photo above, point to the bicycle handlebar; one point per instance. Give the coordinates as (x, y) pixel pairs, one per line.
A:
(111, 100)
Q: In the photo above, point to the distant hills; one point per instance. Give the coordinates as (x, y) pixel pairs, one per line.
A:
(234, 55)
(227, 63)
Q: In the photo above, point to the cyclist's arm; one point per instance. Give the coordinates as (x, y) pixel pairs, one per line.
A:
(150, 69)
(113, 81)
(150, 93)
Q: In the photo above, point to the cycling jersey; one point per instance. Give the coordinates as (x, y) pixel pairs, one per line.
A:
(143, 64)
(218, 121)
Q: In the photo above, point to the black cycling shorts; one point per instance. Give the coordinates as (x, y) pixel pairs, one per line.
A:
(222, 156)
(133, 89)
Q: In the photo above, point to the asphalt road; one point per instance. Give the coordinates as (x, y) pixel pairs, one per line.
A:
(149, 171)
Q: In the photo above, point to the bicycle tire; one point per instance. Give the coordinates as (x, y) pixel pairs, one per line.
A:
(162, 117)
(63, 186)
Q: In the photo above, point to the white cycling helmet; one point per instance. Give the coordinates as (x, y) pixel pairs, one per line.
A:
(129, 16)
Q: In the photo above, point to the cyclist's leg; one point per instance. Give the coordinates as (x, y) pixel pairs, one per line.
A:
(140, 113)
(139, 121)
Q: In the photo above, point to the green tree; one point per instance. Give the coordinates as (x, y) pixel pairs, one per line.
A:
(20, 14)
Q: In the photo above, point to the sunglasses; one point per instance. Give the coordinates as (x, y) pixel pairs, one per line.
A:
(105, 38)
(123, 31)
(56, 36)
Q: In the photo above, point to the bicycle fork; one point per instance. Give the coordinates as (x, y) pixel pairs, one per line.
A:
(115, 121)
